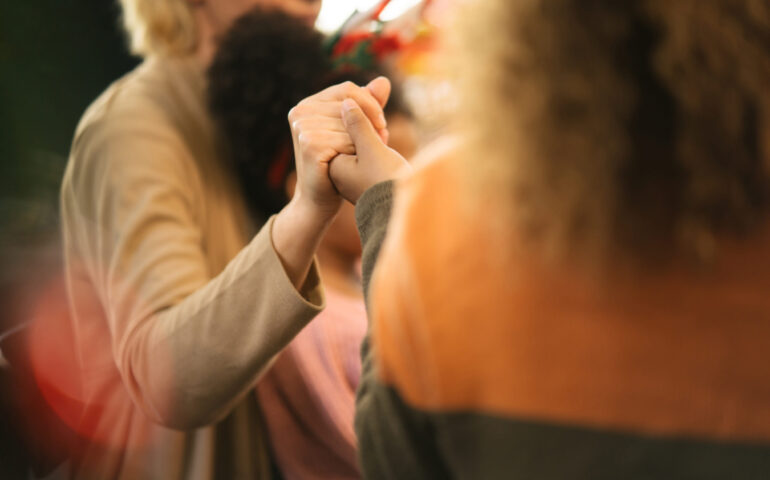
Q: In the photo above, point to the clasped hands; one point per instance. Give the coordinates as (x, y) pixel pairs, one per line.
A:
(340, 137)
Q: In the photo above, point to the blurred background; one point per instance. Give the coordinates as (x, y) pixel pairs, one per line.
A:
(56, 57)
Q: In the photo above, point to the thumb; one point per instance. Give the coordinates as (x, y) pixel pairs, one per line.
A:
(380, 89)
(360, 129)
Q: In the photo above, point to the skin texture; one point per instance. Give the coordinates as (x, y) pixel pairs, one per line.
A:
(318, 135)
(340, 249)
(343, 234)
(299, 227)
(373, 162)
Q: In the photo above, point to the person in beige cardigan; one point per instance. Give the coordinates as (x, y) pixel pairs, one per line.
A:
(177, 301)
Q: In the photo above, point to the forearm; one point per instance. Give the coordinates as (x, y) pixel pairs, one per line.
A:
(187, 342)
(297, 232)
(188, 364)
(386, 428)
(372, 215)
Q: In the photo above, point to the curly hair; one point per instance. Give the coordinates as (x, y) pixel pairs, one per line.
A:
(637, 126)
(266, 63)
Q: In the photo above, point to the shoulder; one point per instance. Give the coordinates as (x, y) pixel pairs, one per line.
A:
(417, 273)
(426, 197)
(128, 126)
(427, 201)
(125, 141)
(445, 267)
(132, 98)
(162, 96)
(433, 168)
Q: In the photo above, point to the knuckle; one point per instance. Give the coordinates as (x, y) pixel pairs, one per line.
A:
(293, 114)
(355, 118)
(299, 109)
(308, 141)
(349, 88)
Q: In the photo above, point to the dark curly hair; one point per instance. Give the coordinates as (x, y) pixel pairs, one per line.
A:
(637, 125)
(266, 63)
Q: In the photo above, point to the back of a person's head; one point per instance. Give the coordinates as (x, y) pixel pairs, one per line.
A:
(159, 27)
(630, 129)
(266, 63)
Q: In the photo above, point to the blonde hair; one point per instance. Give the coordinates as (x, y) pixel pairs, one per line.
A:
(621, 127)
(159, 27)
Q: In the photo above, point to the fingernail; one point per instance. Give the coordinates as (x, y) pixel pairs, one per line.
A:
(348, 105)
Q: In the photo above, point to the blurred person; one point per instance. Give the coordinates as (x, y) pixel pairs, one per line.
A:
(266, 63)
(178, 300)
(577, 287)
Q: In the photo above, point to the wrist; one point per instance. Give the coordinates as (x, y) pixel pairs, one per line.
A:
(297, 232)
(306, 212)
(395, 169)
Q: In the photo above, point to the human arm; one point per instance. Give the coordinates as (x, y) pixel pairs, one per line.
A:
(187, 342)
(319, 136)
(386, 427)
(394, 440)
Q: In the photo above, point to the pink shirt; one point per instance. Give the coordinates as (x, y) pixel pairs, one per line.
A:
(308, 396)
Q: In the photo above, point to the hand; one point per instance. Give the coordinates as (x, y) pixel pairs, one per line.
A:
(319, 135)
(373, 162)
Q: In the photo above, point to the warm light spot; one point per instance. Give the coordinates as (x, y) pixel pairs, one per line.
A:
(335, 12)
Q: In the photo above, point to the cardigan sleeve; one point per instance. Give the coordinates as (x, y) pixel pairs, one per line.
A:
(187, 344)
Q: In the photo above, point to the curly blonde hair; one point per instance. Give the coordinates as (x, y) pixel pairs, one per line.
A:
(159, 27)
(633, 127)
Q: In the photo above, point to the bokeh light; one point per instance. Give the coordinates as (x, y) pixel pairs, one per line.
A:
(335, 12)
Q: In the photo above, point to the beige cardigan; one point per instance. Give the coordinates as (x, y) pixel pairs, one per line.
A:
(175, 312)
